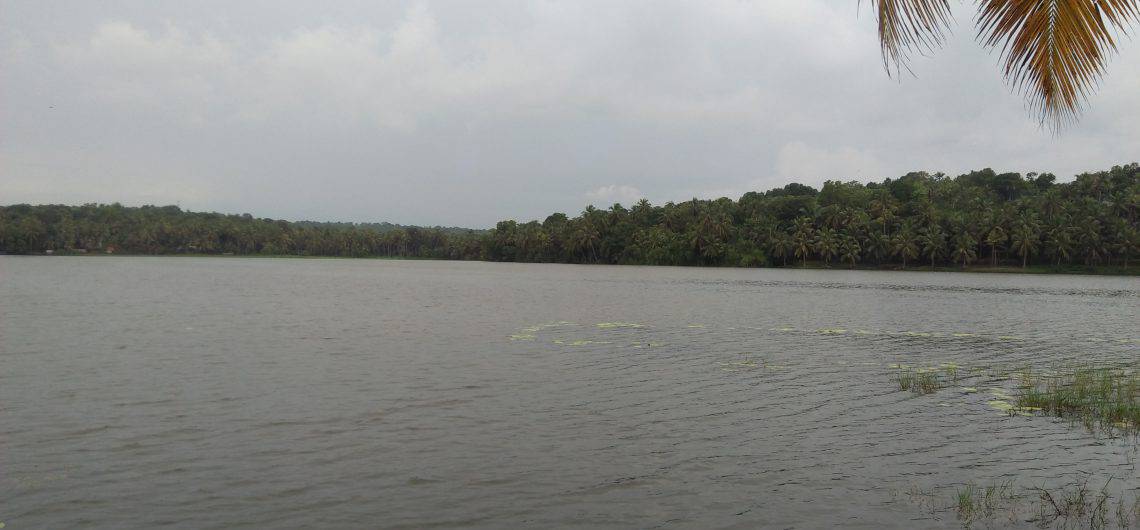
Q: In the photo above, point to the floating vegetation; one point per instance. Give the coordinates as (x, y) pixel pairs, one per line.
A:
(695, 326)
(1107, 397)
(1096, 396)
(1001, 394)
(585, 342)
(615, 325)
(1010, 409)
(736, 366)
(919, 381)
(916, 334)
(1000, 404)
(832, 331)
(579, 342)
(529, 333)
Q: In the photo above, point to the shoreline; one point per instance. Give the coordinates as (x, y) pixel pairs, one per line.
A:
(1083, 270)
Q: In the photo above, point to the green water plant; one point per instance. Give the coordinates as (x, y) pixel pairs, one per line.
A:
(1069, 506)
(1097, 396)
(965, 502)
(973, 502)
(918, 380)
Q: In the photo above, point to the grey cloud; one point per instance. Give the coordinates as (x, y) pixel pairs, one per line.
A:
(466, 113)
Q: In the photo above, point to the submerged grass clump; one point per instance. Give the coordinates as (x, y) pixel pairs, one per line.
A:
(919, 381)
(1071, 506)
(973, 502)
(1107, 397)
(1085, 506)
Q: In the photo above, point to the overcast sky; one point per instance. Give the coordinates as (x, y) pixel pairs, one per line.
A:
(467, 112)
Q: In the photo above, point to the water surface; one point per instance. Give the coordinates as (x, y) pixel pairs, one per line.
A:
(211, 393)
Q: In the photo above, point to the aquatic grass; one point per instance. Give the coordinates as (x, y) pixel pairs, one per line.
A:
(1079, 503)
(1096, 396)
(1070, 506)
(919, 381)
(965, 502)
(972, 502)
(995, 494)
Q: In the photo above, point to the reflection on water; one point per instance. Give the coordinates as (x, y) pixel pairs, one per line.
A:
(226, 392)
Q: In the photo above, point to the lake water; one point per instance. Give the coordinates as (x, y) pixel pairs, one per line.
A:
(223, 393)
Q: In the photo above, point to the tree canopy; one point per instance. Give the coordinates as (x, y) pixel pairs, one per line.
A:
(999, 218)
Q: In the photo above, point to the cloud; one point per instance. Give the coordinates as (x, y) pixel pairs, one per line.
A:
(456, 113)
(614, 193)
(799, 160)
(124, 65)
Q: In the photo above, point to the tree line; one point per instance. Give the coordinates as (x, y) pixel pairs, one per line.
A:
(114, 228)
(981, 217)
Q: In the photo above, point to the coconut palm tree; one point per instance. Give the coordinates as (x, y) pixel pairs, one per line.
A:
(780, 244)
(827, 244)
(1088, 235)
(905, 244)
(994, 239)
(964, 246)
(849, 250)
(1060, 243)
(1025, 239)
(933, 243)
(802, 238)
(1126, 242)
(877, 246)
(1053, 51)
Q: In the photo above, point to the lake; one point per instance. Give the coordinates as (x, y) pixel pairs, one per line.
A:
(231, 392)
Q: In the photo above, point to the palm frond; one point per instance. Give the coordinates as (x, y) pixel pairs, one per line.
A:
(1054, 51)
(909, 26)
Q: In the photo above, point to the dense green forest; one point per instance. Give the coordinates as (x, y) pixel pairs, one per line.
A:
(115, 228)
(980, 217)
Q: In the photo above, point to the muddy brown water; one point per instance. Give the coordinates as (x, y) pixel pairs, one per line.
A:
(230, 392)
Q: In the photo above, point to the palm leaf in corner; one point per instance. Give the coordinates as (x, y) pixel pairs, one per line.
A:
(908, 26)
(1054, 51)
